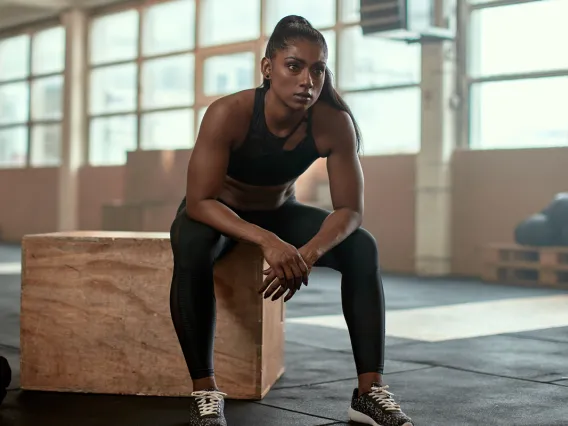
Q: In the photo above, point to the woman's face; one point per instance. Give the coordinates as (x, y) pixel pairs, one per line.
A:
(297, 73)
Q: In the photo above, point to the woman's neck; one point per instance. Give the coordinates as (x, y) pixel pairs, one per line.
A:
(278, 116)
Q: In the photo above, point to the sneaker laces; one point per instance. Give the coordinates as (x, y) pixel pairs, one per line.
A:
(208, 402)
(384, 398)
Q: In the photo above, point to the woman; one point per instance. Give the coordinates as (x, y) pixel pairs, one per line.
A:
(251, 148)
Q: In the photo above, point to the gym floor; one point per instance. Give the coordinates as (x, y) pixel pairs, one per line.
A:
(459, 352)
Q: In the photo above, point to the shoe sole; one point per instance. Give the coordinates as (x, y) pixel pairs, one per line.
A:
(358, 417)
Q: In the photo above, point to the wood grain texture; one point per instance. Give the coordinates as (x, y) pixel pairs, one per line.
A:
(95, 318)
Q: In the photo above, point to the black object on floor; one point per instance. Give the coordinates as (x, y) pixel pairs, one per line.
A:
(5, 377)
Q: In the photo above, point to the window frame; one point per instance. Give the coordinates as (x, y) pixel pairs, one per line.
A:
(201, 53)
(466, 81)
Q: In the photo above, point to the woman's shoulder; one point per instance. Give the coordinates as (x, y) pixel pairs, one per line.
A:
(236, 104)
(328, 119)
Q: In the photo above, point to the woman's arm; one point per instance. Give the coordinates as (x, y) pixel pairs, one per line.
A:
(206, 174)
(346, 186)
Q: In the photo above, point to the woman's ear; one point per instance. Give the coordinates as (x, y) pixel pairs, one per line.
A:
(265, 67)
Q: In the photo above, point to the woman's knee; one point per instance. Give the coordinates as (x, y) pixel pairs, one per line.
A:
(193, 243)
(359, 251)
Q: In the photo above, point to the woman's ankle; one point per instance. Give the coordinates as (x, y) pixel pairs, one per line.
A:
(205, 383)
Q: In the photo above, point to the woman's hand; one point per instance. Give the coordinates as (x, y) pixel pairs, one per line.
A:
(272, 283)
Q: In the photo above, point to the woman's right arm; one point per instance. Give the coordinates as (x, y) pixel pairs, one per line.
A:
(205, 177)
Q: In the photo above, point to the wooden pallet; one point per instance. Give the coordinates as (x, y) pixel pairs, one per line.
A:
(515, 264)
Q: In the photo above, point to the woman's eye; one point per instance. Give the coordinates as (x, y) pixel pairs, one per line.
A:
(293, 67)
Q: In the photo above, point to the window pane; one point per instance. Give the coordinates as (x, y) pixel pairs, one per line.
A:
(500, 120)
(14, 58)
(228, 73)
(113, 89)
(14, 103)
(47, 98)
(535, 38)
(389, 120)
(169, 27)
(351, 11)
(49, 51)
(114, 37)
(168, 130)
(110, 139)
(320, 13)
(46, 145)
(13, 146)
(368, 61)
(219, 26)
(330, 39)
(168, 82)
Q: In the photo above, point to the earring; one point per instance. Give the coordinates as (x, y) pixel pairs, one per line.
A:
(268, 76)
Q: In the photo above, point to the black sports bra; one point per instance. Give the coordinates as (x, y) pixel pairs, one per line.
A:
(261, 159)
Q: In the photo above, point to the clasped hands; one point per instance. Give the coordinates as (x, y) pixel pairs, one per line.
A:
(288, 269)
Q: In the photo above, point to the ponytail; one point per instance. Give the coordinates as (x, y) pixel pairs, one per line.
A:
(330, 96)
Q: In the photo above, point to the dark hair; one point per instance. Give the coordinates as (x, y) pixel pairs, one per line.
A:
(292, 28)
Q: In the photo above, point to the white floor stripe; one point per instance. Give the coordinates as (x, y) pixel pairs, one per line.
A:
(10, 268)
(462, 321)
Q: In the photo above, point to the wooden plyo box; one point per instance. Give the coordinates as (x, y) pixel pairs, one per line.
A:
(95, 318)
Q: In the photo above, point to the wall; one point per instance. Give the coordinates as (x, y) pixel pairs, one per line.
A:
(28, 202)
(492, 192)
(495, 190)
(389, 211)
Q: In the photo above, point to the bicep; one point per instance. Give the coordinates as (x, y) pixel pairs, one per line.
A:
(210, 156)
(344, 168)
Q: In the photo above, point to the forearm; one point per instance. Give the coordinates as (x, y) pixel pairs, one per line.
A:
(336, 227)
(226, 221)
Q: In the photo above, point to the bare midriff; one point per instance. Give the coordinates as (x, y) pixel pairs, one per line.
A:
(243, 197)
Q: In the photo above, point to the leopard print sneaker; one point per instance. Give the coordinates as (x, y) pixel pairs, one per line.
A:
(207, 408)
(377, 408)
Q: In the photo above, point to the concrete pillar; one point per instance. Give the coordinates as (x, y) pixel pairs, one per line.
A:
(73, 133)
(433, 176)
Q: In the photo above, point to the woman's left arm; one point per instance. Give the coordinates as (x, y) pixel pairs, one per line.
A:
(346, 187)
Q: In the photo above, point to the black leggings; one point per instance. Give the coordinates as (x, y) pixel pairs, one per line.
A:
(197, 246)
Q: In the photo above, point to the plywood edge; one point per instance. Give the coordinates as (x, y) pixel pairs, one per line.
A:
(97, 236)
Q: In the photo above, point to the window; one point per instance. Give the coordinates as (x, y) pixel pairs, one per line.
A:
(368, 61)
(533, 41)
(520, 113)
(168, 130)
(143, 100)
(320, 13)
(350, 11)
(47, 98)
(168, 82)
(390, 120)
(14, 105)
(46, 145)
(113, 89)
(228, 73)
(169, 27)
(13, 146)
(225, 21)
(31, 98)
(49, 51)
(14, 58)
(114, 37)
(111, 138)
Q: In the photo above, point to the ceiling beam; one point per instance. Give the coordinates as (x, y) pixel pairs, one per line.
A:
(38, 4)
